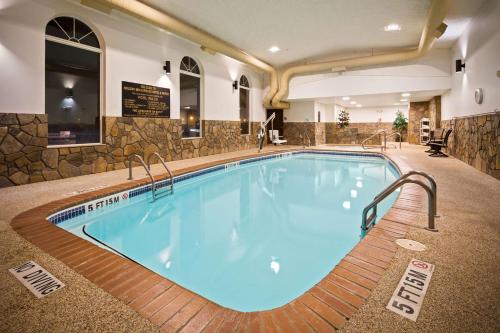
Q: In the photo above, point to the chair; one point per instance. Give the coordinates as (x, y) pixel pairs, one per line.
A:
(276, 138)
(437, 146)
(436, 136)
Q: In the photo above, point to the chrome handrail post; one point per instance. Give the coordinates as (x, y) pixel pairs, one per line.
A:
(404, 179)
(153, 184)
(162, 161)
(372, 136)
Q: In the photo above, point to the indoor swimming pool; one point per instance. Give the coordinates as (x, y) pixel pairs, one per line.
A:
(250, 235)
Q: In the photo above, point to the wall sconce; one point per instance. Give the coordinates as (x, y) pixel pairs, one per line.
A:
(235, 85)
(69, 93)
(459, 66)
(166, 68)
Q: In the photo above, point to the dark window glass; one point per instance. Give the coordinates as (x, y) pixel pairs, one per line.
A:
(73, 30)
(72, 94)
(244, 82)
(244, 111)
(189, 65)
(190, 105)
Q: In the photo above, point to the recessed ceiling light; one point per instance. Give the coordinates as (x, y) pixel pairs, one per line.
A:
(346, 98)
(359, 105)
(403, 100)
(353, 102)
(274, 49)
(396, 103)
(392, 27)
(405, 94)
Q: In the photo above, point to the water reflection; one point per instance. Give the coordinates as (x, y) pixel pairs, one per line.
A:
(275, 265)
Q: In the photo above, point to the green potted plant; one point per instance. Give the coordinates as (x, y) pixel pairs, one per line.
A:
(400, 123)
(343, 119)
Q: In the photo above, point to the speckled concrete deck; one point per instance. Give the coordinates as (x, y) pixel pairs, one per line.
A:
(82, 306)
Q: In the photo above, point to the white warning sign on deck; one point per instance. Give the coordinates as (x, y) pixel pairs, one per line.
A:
(408, 297)
(36, 279)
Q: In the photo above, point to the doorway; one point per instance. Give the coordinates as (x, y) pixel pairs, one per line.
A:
(277, 123)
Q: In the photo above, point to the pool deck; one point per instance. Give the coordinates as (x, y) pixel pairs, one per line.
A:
(368, 274)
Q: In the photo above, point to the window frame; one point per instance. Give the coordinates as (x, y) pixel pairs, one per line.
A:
(200, 106)
(249, 90)
(101, 80)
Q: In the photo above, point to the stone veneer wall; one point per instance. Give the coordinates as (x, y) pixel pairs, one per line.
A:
(297, 133)
(355, 133)
(418, 110)
(476, 141)
(435, 112)
(321, 133)
(25, 158)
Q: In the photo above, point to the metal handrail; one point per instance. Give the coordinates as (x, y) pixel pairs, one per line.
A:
(171, 176)
(153, 183)
(261, 133)
(368, 221)
(431, 180)
(392, 134)
(382, 147)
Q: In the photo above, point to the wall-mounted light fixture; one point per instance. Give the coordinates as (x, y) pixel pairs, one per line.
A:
(166, 68)
(235, 85)
(69, 93)
(459, 65)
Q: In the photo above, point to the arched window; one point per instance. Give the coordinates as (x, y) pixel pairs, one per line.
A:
(244, 105)
(189, 82)
(72, 82)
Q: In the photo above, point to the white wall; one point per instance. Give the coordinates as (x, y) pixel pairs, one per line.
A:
(307, 111)
(327, 112)
(431, 72)
(371, 115)
(479, 46)
(300, 112)
(134, 51)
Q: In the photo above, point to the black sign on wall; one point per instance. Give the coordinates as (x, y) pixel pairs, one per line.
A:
(141, 100)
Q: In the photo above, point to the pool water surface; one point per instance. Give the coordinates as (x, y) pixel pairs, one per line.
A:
(252, 236)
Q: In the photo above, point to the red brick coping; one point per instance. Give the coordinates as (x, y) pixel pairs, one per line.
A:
(325, 307)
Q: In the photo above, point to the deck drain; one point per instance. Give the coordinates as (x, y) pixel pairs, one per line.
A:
(410, 244)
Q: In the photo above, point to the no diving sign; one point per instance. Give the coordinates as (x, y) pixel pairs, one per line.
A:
(36, 279)
(408, 297)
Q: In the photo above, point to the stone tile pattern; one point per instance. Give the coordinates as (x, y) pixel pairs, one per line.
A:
(476, 141)
(25, 158)
(418, 110)
(300, 133)
(435, 112)
(319, 134)
(23, 142)
(355, 133)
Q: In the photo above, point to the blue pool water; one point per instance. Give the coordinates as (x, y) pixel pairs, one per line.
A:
(252, 237)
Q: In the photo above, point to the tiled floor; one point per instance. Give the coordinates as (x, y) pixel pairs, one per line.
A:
(325, 307)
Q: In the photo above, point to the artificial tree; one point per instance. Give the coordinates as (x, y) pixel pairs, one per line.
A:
(400, 123)
(343, 119)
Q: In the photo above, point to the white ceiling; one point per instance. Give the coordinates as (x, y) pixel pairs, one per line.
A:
(379, 100)
(458, 17)
(304, 29)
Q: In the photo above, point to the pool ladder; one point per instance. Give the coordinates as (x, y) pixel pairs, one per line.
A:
(384, 146)
(367, 222)
(147, 168)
